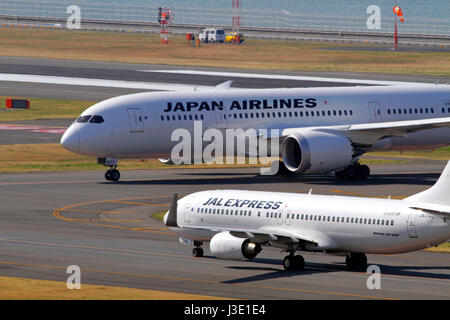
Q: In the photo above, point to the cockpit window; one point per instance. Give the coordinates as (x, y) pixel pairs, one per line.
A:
(97, 119)
(83, 119)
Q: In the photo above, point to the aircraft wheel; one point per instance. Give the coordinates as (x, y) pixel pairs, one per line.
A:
(114, 175)
(288, 263)
(351, 172)
(108, 175)
(363, 171)
(197, 252)
(299, 262)
(356, 261)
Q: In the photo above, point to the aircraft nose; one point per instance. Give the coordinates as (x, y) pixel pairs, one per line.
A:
(71, 141)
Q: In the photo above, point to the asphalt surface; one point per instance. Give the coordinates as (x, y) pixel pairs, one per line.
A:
(49, 221)
(129, 72)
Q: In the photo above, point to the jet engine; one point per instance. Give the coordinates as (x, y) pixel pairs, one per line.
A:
(225, 246)
(316, 152)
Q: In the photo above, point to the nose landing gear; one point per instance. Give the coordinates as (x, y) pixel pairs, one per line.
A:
(112, 174)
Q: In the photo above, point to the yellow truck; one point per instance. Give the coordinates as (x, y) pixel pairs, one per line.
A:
(233, 36)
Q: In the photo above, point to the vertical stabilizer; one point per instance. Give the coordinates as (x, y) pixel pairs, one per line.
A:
(172, 215)
(439, 194)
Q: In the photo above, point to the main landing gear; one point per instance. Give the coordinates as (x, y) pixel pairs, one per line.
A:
(293, 262)
(356, 261)
(354, 171)
(197, 252)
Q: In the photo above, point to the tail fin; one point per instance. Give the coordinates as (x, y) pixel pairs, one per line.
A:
(439, 194)
(171, 220)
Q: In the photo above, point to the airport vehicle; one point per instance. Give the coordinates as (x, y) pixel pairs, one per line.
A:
(239, 223)
(321, 130)
(212, 35)
(232, 36)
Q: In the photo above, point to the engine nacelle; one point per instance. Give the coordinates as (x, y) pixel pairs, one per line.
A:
(225, 246)
(316, 152)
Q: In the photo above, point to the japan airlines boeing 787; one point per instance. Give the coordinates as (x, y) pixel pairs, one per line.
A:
(321, 130)
(238, 223)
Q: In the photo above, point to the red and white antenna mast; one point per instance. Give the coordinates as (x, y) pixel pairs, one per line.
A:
(236, 22)
(165, 18)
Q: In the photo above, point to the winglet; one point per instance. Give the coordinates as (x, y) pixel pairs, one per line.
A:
(172, 216)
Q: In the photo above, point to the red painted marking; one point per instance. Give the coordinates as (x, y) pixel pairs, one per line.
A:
(33, 128)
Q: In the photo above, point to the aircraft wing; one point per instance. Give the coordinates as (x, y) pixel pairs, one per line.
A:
(368, 133)
(277, 234)
(286, 236)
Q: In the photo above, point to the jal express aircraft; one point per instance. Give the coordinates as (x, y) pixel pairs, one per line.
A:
(321, 129)
(238, 223)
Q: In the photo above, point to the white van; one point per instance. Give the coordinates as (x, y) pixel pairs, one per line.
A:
(212, 35)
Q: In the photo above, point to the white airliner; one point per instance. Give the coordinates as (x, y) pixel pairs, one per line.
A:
(321, 129)
(238, 223)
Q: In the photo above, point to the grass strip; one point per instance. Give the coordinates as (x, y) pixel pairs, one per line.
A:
(252, 54)
(31, 289)
(44, 109)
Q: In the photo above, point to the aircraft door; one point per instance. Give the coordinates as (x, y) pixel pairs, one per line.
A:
(221, 119)
(136, 120)
(289, 216)
(375, 111)
(280, 216)
(412, 225)
(188, 210)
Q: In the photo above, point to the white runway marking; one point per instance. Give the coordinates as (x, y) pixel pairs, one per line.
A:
(286, 77)
(100, 82)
